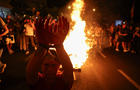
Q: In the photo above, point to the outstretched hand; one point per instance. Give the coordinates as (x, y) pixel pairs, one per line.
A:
(52, 31)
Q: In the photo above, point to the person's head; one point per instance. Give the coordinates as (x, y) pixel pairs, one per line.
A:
(27, 20)
(33, 9)
(124, 24)
(37, 13)
(8, 16)
(50, 66)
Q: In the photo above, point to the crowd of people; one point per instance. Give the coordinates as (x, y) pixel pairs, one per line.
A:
(36, 35)
(15, 36)
(125, 37)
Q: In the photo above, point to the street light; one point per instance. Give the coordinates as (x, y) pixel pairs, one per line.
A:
(93, 9)
(69, 7)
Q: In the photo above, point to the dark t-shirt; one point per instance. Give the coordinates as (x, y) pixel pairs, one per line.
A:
(124, 31)
(43, 84)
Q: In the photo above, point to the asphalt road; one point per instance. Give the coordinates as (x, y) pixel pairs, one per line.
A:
(109, 70)
(103, 70)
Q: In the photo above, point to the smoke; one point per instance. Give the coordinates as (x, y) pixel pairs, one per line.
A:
(96, 32)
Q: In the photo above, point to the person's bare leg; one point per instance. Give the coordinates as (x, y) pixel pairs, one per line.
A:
(124, 47)
(9, 49)
(33, 43)
(117, 46)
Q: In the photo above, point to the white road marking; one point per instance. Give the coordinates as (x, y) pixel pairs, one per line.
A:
(129, 79)
(125, 75)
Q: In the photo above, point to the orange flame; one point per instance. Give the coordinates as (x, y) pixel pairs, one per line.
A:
(75, 43)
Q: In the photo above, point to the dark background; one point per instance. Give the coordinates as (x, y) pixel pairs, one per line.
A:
(106, 9)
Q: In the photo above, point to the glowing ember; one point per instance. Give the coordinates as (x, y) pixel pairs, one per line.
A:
(75, 43)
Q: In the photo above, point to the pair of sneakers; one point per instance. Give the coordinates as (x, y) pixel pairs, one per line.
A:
(125, 50)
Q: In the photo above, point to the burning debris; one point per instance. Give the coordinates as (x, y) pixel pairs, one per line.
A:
(82, 37)
(75, 43)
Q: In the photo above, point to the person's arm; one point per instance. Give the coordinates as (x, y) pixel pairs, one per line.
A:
(24, 28)
(137, 33)
(33, 25)
(122, 34)
(61, 32)
(66, 64)
(34, 65)
(4, 26)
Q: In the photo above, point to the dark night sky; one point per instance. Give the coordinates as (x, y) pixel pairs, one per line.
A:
(115, 8)
(106, 7)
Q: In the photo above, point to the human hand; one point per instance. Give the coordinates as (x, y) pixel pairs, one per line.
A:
(50, 31)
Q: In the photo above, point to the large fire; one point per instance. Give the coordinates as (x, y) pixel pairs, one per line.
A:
(75, 43)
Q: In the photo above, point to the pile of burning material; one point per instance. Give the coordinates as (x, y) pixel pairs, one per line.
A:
(75, 43)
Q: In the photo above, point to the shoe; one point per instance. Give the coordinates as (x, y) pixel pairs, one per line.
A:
(11, 51)
(117, 49)
(2, 69)
(125, 50)
(27, 52)
(35, 48)
(134, 52)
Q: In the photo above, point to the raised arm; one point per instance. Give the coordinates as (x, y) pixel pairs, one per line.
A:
(67, 65)
(63, 28)
(4, 26)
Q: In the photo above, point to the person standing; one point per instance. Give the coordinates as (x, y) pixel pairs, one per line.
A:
(29, 29)
(10, 39)
(3, 31)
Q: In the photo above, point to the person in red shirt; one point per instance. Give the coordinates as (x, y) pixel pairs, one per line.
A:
(50, 33)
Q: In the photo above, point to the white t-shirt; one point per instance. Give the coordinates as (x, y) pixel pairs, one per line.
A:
(29, 30)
